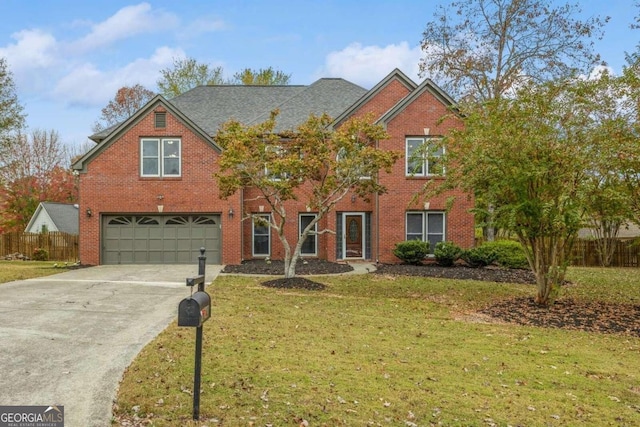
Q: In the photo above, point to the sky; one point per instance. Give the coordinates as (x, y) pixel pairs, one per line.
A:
(69, 57)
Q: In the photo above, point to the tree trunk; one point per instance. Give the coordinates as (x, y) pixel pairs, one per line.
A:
(547, 258)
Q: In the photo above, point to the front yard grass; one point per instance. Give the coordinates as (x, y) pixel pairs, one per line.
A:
(387, 351)
(21, 270)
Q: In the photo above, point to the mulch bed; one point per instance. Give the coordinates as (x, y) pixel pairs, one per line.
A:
(564, 314)
(276, 267)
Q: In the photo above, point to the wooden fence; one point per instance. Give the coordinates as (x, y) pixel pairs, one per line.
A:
(60, 246)
(625, 254)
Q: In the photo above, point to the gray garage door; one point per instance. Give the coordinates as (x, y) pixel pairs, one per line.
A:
(160, 239)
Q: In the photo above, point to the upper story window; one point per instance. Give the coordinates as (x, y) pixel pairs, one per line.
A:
(350, 164)
(160, 157)
(424, 156)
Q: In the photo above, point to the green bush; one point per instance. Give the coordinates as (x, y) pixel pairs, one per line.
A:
(40, 254)
(479, 257)
(411, 251)
(509, 253)
(447, 253)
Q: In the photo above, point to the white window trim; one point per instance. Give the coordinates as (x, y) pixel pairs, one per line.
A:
(160, 158)
(313, 233)
(253, 235)
(424, 160)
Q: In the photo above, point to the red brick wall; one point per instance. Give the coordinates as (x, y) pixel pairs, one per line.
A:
(388, 211)
(424, 112)
(112, 184)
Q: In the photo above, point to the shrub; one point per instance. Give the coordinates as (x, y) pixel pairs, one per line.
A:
(479, 257)
(40, 254)
(509, 253)
(411, 251)
(447, 253)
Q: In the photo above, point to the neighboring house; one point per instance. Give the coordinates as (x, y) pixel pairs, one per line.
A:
(51, 217)
(147, 192)
(627, 231)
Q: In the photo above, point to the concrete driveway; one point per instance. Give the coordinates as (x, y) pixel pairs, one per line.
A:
(66, 339)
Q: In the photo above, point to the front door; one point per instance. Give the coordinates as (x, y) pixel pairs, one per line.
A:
(353, 236)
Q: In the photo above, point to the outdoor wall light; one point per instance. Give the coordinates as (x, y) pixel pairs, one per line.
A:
(89, 212)
(231, 213)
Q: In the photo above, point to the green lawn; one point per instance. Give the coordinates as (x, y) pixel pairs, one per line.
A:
(388, 351)
(20, 270)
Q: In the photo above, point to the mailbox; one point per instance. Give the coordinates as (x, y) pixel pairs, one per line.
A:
(194, 310)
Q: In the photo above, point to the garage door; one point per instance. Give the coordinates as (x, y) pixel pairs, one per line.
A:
(160, 239)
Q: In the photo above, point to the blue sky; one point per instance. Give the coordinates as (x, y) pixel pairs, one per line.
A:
(69, 57)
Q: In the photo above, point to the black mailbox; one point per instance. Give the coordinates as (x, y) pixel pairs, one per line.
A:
(194, 310)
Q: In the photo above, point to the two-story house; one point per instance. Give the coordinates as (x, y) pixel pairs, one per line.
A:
(148, 195)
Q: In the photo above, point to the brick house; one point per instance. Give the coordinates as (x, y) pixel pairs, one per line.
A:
(147, 194)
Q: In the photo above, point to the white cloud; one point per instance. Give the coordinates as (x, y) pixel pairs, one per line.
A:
(125, 23)
(86, 85)
(33, 49)
(201, 26)
(367, 65)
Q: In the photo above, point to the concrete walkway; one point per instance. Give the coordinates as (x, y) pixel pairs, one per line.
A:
(67, 338)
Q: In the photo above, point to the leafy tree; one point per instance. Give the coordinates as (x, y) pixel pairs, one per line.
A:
(313, 166)
(32, 170)
(533, 156)
(127, 101)
(267, 76)
(187, 74)
(482, 50)
(610, 184)
(11, 115)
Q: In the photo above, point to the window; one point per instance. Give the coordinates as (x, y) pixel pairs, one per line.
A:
(423, 156)
(273, 165)
(427, 226)
(309, 247)
(351, 164)
(160, 120)
(261, 235)
(160, 157)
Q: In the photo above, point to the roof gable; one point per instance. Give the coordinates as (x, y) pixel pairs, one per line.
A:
(63, 215)
(395, 75)
(426, 86)
(117, 131)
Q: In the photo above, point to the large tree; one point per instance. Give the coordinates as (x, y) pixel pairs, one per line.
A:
(266, 76)
(11, 115)
(34, 168)
(186, 74)
(126, 102)
(314, 166)
(536, 157)
(482, 50)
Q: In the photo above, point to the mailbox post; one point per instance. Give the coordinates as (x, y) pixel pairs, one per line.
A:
(194, 311)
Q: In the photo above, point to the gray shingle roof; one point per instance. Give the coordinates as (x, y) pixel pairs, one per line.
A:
(211, 106)
(64, 216)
